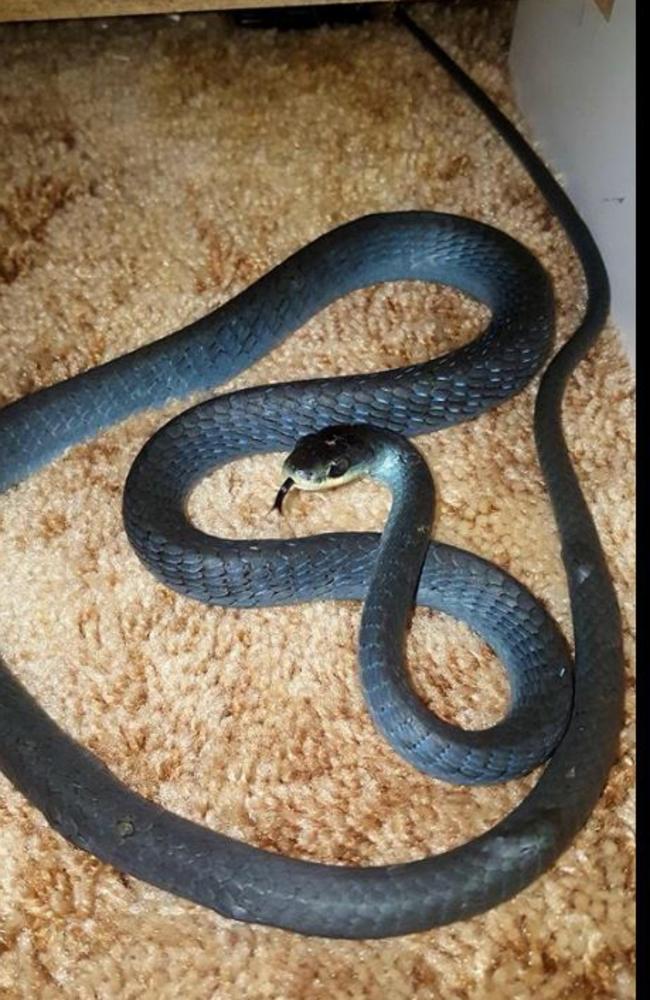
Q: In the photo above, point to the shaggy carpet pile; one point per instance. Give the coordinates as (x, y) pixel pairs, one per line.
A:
(151, 168)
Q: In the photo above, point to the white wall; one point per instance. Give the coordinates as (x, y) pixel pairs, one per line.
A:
(573, 73)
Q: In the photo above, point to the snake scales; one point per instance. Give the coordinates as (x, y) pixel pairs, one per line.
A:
(92, 809)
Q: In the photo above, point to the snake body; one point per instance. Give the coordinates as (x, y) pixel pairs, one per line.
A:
(90, 807)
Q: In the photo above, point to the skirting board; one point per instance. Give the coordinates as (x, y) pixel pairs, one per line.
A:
(44, 10)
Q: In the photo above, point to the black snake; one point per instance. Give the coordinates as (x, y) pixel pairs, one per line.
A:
(576, 712)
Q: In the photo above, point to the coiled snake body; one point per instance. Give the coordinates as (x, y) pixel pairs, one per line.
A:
(90, 807)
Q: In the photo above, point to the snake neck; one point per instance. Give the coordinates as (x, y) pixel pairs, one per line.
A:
(391, 593)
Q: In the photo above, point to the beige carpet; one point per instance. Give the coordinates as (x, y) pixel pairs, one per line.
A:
(149, 169)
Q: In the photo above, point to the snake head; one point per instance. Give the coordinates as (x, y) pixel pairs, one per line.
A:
(328, 458)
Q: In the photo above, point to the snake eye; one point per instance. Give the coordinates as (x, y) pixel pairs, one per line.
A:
(338, 468)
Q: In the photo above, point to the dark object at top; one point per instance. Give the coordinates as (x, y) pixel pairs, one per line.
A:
(301, 18)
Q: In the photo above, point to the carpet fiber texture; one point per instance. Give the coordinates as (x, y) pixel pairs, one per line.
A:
(150, 168)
